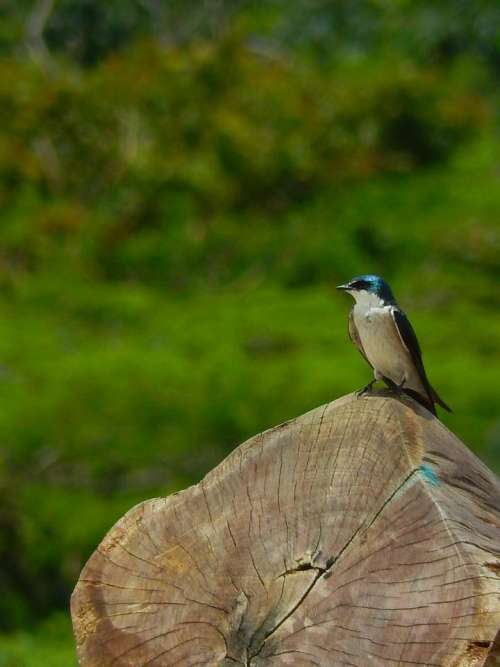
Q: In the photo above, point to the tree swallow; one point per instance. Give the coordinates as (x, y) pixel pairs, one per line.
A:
(384, 336)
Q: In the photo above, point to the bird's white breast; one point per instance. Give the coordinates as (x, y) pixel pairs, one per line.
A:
(380, 339)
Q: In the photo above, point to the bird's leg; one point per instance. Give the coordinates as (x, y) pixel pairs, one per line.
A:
(367, 389)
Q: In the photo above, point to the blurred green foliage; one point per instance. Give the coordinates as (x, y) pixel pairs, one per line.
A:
(178, 200)
(152, 182)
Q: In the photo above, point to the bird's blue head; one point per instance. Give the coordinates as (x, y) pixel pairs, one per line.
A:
(369, 284)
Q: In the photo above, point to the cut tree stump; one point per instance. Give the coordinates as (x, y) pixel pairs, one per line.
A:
(361, 534)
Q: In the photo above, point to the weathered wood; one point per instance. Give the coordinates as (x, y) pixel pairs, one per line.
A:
(362, 533)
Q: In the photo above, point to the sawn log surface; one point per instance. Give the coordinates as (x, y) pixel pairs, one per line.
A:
(363, 533)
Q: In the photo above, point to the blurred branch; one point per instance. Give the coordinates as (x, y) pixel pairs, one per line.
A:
(35, 28)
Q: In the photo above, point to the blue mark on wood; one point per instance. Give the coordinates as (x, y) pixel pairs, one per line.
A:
(429, 475)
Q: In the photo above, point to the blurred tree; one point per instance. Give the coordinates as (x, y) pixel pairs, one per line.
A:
(174, 181)
(87, 30)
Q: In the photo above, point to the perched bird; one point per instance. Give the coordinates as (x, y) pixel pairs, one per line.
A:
(384, 336)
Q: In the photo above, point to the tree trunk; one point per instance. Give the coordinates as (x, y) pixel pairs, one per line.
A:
(361, 534)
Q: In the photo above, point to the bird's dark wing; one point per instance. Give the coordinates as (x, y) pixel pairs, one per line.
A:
(410, 342)
(354, 336)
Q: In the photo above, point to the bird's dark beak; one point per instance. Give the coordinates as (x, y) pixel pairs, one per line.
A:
(343, 287)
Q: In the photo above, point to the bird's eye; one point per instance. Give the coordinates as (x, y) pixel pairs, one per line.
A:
(359, 284)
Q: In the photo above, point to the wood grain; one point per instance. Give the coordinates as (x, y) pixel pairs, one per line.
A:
(362, 533)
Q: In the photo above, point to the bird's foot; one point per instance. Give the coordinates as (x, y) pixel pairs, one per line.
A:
(365, 390)
(395, 388)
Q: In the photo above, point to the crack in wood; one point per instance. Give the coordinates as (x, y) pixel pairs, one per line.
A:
(302, 567)
(326, 572)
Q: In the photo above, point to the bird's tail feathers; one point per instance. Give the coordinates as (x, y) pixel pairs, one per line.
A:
(437, 399)
(420, 398)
